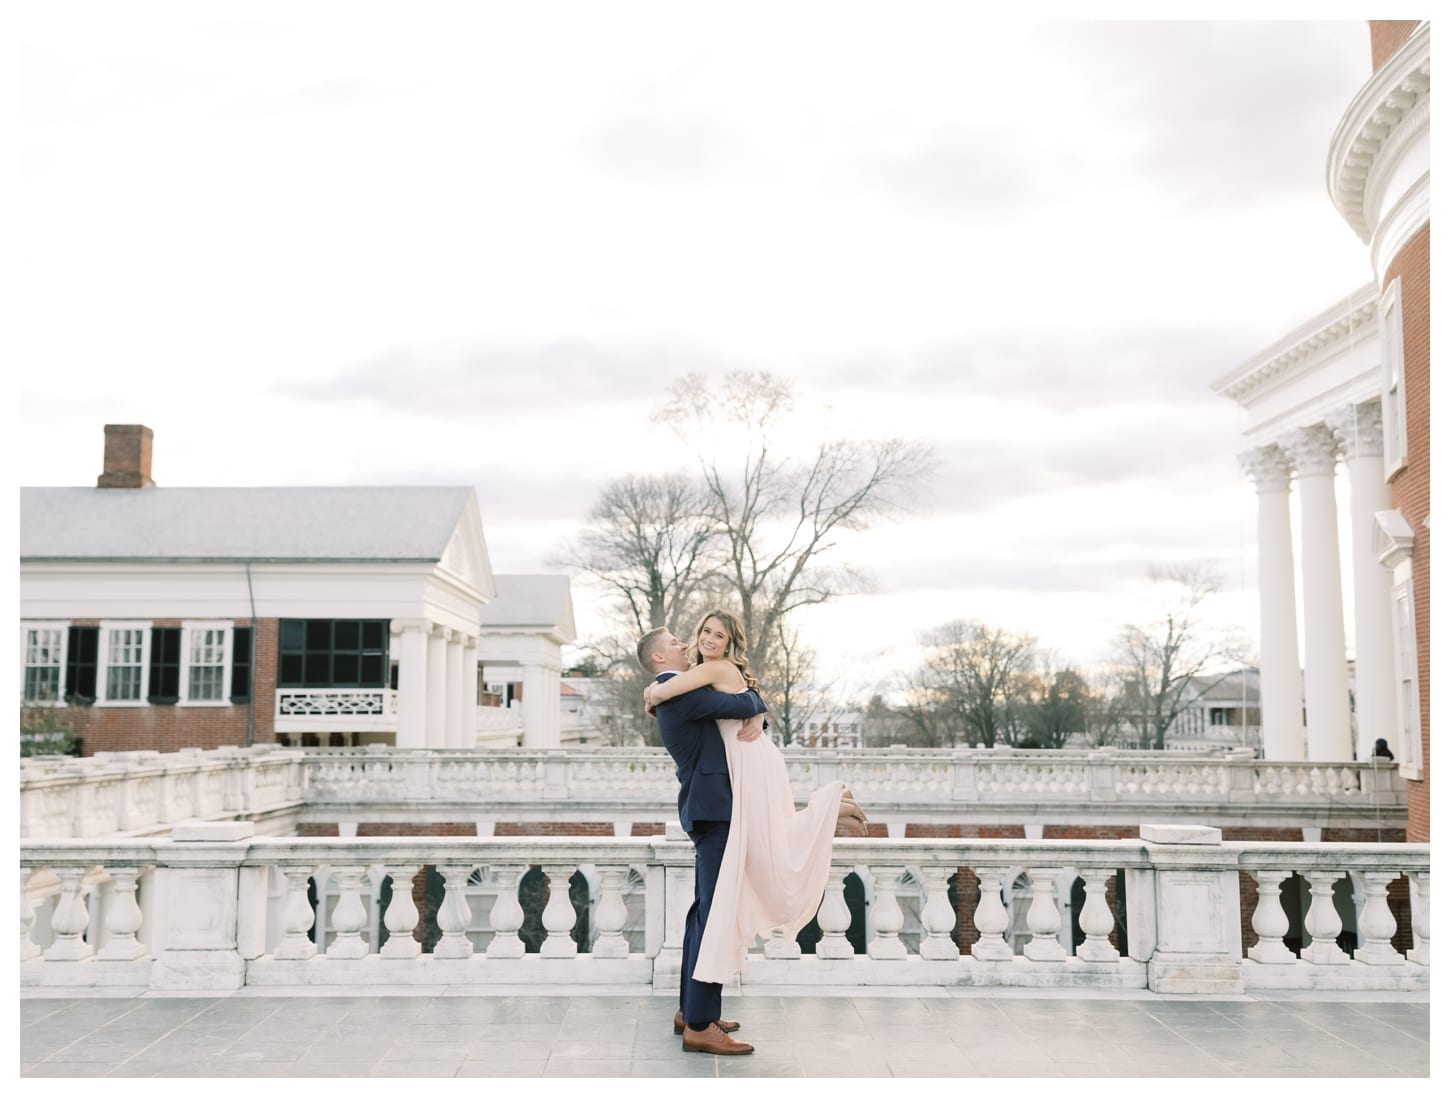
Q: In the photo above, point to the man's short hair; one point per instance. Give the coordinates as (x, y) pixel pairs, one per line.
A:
(646, 646)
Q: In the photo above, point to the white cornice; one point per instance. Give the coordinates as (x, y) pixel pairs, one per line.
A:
(1350, 320)
(1369, 128)
(1398, 224)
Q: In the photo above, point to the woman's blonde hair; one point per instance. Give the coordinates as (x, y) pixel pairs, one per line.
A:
(734, 647)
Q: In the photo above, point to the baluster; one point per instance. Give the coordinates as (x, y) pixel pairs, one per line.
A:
(1044, 919)
(1270, 921)
(1420, 916)
(123, 917)
(401, 917)
(1377, 922)
(779, 947)
(70, 918)
(937, 917)
(28, 949)
(558, 915)
(349, 916)
(1096, 919)
(610, 914)
(298, 917)
(453, 914)
(1322, 922)
(834, 918)
(991, 918)
(507, 915)
(884, 919)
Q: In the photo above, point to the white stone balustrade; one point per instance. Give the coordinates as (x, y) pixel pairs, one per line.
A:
(141, 793)
(146, 792)
(220, 909)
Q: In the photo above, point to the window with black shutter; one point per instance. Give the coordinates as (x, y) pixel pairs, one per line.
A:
(165, 685)
(82, 656)
(242, 664)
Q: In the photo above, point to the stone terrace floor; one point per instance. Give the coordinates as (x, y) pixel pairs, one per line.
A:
(583, 1032)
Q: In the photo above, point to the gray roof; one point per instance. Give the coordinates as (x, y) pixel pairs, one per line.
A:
(1232, 687)
(534, 601)
(259, 524)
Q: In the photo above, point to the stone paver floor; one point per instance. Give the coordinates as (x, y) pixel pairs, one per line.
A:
(443, 1032)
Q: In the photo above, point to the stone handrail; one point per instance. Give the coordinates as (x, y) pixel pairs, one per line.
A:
(142, 792)
(217, 908)
(145, 792)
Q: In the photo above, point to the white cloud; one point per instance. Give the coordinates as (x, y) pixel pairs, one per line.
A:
(470, 243)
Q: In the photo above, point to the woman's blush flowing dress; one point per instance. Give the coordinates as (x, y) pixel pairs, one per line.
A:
(776, 862)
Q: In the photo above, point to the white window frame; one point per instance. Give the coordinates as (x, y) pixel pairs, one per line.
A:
(1407, 676)
(103, 664)
(188, 630)
(26, 629)
(1392, 380)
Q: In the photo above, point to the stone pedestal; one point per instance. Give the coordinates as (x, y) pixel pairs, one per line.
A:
(198, 880)
(678, 854)
(1195, 946)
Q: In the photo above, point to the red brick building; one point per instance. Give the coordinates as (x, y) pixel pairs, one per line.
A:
(165, 618)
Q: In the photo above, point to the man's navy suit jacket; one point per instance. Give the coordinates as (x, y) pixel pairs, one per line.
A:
(690, 735)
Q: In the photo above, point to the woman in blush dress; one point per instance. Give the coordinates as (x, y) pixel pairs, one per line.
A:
(777, 859)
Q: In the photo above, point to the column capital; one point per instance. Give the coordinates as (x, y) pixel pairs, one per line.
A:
(1268, 467)
(1312, 449)
(1359, 429)
(409, 625)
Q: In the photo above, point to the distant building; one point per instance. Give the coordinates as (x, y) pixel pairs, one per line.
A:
(1223, 712)
(165, 618)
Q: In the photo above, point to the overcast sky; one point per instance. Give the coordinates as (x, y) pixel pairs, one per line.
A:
(468, 244)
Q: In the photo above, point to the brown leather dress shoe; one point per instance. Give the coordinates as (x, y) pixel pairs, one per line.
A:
(724, 1023)
(714, 1039)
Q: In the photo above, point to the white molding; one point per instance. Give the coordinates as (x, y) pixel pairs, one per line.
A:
(1399, 224)
(1397, 538)
(1319, 339)
(1363, 134)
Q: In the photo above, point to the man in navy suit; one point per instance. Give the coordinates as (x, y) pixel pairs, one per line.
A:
(688, 730)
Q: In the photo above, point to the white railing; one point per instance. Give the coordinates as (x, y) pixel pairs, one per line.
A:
(375, 710)
(142, 792)
(216, 908)
(145, 792)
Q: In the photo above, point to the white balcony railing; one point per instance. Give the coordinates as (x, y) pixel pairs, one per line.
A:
(216, 908)
(337, 709)
(144, 792)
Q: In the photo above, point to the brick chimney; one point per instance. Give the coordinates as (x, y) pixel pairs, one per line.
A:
(128, 457)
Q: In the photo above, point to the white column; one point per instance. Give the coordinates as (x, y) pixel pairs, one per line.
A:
(1360, 431)
(468, 693)
(412, 683)
(453, 692)
(1326, 677)
(434, 734)
(541, 705)
(1281, 691)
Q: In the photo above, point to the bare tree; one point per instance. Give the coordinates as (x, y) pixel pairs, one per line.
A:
(1104, 708)
(779, 518)
(652, 543)
(970, 684)
(1161, 659)
(787, 682)
(1058, 699)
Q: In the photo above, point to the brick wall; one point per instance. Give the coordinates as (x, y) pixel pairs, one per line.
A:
(1410, 488)
(172, 727)
(604, 830)
(1386, 36)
